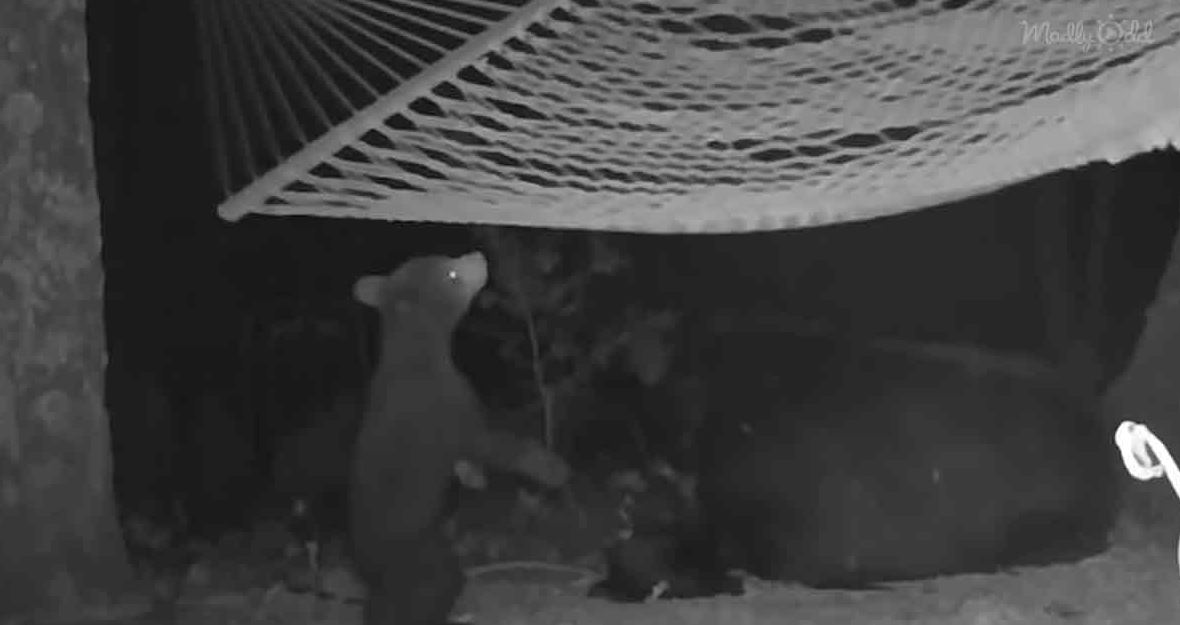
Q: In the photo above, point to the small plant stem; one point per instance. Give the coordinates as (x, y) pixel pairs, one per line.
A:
(539, 374)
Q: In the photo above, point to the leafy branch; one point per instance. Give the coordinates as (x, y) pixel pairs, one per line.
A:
(560, 320)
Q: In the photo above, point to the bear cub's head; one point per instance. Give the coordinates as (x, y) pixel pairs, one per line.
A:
(431, 291)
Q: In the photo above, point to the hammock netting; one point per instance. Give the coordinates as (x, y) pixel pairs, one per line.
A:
(672, 115)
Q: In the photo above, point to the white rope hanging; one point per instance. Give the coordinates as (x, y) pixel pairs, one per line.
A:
(673, 115)
(1147, 458)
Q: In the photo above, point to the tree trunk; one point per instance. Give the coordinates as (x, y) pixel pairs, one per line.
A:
(60, 546)
(1148, 391)
(1051, 244)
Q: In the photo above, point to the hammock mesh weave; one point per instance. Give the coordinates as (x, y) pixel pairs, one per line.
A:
(672, 115)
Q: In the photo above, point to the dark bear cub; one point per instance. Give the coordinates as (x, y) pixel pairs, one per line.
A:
(665, 550)
(421, 419)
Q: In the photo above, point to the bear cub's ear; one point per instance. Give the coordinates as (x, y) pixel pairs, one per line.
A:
(367, 290)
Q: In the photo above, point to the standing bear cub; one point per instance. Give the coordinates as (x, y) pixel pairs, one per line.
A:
(422, 418)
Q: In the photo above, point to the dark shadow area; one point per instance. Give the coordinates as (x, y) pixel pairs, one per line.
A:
(236, 348)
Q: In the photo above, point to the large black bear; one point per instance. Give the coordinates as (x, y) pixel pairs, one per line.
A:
(837, 464)
(840, 463)
(421, 419)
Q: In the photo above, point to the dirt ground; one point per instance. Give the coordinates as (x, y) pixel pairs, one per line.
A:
(254, 582)
(1124, 586)
(1131, 584)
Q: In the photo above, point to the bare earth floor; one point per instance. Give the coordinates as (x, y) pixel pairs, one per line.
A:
(1128, 585)
(1125, 586)
(1135, 582)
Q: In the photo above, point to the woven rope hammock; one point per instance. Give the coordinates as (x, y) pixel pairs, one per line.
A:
(672, 115)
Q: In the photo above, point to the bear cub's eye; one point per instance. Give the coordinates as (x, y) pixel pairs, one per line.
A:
(452, 275)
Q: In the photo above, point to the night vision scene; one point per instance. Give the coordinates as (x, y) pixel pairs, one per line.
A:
(413, 312)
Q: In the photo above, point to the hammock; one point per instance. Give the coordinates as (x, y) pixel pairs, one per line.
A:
(672, 115)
